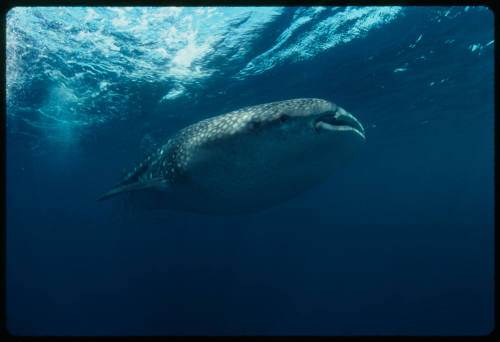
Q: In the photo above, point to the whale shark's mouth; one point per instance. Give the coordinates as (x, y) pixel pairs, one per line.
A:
(338, 122)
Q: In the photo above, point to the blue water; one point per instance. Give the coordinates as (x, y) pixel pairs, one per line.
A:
(399, 241)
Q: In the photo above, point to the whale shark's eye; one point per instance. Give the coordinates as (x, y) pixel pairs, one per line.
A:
(254, 124)
(284, 118)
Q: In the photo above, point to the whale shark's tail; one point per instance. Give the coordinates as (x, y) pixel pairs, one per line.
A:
(157, 184)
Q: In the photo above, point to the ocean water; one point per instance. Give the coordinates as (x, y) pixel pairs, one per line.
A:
(398, 242)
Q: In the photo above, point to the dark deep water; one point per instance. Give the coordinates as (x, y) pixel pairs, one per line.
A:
(400, 241)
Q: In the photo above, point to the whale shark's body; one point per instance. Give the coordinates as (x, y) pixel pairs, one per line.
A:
(248, 159)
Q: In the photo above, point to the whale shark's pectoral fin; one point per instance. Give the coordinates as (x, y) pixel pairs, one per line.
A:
(158, 184)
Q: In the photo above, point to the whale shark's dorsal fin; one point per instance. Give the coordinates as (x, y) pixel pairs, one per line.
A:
(159, 184)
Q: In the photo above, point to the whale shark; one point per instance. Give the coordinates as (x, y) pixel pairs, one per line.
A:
(246, 160)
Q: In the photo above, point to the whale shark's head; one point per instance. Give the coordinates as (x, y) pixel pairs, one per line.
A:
(316, 127)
